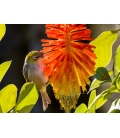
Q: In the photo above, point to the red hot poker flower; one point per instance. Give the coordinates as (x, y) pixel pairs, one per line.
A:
(69, 61)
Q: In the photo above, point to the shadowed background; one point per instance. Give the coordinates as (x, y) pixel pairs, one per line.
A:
(23, 38)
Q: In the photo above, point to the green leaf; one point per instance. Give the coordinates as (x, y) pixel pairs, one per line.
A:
(115, 111)
(110, 72)
(113, 66)
(3, 68)
(117, 58)
(27, 98)
(81, 108)
(116, 81)
(8, 98)
(113, 88)
(101, 98)
(2, 31)
(115, 78)
(1, 109)
(102, 74)
(103, 50)
(26, 109)
(91, 99)
(115, 106)
(95, 84)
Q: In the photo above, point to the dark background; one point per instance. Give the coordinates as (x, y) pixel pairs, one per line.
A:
(23, 38)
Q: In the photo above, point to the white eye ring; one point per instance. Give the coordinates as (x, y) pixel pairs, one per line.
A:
(34, 57)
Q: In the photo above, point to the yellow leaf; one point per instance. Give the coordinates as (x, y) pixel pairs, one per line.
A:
(103, 50)
(2, 31)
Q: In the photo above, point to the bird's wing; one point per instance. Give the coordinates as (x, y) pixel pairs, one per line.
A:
(25, 72)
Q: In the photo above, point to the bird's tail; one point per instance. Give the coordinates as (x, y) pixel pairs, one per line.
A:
(45, 100)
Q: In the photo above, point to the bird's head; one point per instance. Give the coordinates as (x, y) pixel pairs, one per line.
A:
(33, 57)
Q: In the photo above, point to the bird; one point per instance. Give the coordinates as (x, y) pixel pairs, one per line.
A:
(33, 72)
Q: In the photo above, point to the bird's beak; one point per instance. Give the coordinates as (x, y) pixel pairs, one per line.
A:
(39, 55)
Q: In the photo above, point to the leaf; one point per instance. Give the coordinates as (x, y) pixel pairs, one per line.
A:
(8, 98)
(3, 68)
(95, 84)
(102, 98)
(81, 108)
(115, 111)
(113, 88)
(2, 31)
(1, 109)
(27, 98)
(110, 72)
(115, 78)
(103, 50)
(113, 66)
(91, 99)
(117, 58)
(116, 81)
(26, 109)
(102, 74)
(115, 106)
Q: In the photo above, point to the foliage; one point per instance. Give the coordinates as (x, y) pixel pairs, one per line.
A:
(104, 43)
(3, 69)
(2, 31)
(8, 98)
(13, 101)
(27, 97)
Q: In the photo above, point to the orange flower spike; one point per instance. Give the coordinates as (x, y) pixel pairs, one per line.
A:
(69, 62)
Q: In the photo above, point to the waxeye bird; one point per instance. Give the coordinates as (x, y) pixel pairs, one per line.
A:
(33, 72)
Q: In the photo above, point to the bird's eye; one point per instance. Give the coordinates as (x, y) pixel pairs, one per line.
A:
(34, 57)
